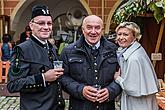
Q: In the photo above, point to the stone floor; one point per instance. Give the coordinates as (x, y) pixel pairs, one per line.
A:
(9, 103)
(12, 103)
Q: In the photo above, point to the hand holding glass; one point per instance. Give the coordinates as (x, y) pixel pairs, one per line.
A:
(57, 64)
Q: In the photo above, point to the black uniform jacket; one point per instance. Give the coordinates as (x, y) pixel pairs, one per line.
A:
(81, 70)
(31, 58)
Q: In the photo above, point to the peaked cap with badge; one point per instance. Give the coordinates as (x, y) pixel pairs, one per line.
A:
(40, 10)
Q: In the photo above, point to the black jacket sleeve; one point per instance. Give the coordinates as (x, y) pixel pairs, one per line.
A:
(19, 79)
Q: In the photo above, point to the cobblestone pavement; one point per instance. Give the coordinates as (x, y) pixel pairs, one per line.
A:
(12, 103)
(9, 103)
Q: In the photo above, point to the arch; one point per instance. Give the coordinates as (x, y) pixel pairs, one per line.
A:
(86, 6)
(15, 16)
(110, 15)
(23, 4)
(21, 13)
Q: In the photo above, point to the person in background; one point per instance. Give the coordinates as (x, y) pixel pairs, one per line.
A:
(64, 43)
(6, 47)
(136, 75)
(25, 35)
(89, 67)
(32, 72)
(52, 41)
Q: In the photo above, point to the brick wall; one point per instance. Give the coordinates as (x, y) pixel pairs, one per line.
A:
(9, 6)
(95, 6)
(108, 6)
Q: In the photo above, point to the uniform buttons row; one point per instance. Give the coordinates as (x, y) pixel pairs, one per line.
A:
(96, 71)
(59, 103)
(59, 85)
(33, 86)
(59, 95)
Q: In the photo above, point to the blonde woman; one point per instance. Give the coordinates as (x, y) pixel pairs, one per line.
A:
(136, 75)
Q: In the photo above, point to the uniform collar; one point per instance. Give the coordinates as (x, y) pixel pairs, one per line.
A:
(81, 40)
(97, 45)
(39, 42)
(131, 49)
(43, 42)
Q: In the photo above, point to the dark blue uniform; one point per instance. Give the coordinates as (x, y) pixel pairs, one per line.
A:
(29, 61)
(82, 68)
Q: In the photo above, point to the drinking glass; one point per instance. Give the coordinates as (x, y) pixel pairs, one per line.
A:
(57, 64)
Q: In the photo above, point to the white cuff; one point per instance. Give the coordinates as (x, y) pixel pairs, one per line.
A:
(120, 80)
(44, 80)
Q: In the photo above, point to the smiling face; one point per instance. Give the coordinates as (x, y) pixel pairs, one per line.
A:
(41, 27)
(125, 37)
(127, 33)
(92, 29)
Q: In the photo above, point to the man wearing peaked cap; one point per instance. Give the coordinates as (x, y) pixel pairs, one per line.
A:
(40, 10)
(31, 72)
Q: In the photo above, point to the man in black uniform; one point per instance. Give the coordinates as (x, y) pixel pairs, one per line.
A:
(31, 72)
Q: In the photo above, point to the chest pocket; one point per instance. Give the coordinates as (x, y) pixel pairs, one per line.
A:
(110, 61)
(114, 64)
(109, 67)
(76, 67)
(74, 60)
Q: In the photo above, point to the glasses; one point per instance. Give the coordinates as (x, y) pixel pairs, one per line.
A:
(42, 23)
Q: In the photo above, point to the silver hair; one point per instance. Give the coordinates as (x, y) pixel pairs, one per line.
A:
(131, 26)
